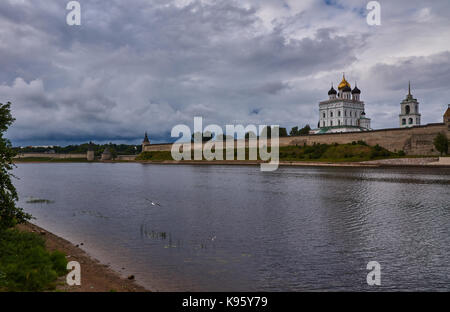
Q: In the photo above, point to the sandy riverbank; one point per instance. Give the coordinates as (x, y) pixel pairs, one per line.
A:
(425, 162)
(95, 276)
(391, 162)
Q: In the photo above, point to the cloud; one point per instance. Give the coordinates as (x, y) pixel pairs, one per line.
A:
(142, 65)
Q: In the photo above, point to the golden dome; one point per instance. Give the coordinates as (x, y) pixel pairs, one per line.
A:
(344, 83)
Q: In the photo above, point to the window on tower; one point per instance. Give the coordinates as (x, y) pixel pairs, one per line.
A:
(407, 109)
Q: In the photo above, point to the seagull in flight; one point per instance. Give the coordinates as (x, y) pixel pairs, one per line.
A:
(153, 203)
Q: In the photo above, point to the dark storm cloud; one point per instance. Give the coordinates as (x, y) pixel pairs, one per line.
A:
(144, 65)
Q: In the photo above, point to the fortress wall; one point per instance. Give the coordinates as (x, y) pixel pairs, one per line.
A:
(126, 157)
(54, 156)
(413, 141)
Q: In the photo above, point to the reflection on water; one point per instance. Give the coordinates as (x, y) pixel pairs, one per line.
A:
(217, 228)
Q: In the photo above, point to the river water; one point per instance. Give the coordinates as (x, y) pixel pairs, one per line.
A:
(235, 228)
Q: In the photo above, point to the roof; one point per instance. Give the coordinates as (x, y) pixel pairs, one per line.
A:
(344, 83)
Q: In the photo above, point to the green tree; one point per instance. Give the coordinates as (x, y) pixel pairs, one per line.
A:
(305, 130)
(294, 131)
(10, 214)
(441, 143)
(283, 132)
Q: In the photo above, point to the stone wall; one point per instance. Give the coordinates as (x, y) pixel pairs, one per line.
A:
(126, 157)
(413, 141)
(54, 156)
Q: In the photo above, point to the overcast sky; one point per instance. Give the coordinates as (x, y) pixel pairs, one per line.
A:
(147, 65)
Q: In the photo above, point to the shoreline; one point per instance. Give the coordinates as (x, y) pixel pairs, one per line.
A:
(417, 162)
(95, 276)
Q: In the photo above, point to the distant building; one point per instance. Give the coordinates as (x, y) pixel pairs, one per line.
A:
(447, 117)
(343, 111)
(146, 142)
(90, 153)
(106, 155)
(409, 116)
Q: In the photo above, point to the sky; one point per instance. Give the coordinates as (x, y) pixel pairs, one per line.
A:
(148, 65)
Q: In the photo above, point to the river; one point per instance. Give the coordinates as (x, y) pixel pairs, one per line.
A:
(235, 228)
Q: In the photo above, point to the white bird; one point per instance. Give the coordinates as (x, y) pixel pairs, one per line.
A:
(153, 203)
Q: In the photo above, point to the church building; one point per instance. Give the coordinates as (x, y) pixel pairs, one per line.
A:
(343, 111)
(409, 115)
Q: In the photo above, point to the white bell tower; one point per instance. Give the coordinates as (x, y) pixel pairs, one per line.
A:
(409, 115)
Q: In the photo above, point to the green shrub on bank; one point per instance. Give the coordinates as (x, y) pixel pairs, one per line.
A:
(155, 156)
(355, 151)
(25, 264)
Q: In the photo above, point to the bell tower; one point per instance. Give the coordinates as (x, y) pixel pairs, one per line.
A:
(146, 142)
(409, 114)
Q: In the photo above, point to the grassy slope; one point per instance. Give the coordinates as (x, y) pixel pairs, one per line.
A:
(25, 264)
(321, 152)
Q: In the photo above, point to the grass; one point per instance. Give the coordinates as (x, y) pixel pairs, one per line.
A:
(155, 156)
(39, 201)
(352, 152)
(25, 264)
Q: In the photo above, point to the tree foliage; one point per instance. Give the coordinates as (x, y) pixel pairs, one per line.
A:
(303, 131)
(441, 143)
(10, 214)
(283, 132)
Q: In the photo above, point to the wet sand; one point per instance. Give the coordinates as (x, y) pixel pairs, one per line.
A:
(95, 276)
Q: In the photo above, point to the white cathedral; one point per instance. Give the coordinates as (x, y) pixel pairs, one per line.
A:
(343, 111)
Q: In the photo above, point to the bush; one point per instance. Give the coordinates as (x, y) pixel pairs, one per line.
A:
(25, 264)
(363, 143)
(441, 143)
(155, 156)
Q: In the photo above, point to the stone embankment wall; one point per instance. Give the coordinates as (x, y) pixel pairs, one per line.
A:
(413, 141)
(54, 156)
(126, 157)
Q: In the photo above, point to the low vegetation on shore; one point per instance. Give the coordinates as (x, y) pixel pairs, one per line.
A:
(353, 152)
(26, 265)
